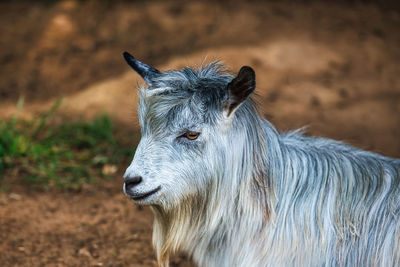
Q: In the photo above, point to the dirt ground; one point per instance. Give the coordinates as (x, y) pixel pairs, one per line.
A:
(331, 67)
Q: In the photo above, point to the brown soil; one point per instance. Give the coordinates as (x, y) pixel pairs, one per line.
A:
(332, 67)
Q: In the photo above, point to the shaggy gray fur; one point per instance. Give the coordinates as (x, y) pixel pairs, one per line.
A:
(242, 194)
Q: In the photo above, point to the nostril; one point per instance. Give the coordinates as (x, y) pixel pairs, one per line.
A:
(132, 181)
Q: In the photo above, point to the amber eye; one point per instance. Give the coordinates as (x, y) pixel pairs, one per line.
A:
(191, 135)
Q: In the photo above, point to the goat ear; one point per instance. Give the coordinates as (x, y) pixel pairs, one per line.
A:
(240, 88)
(147, 72)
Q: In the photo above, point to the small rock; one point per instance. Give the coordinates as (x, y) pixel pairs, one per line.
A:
(109, 169)
(84, 252)
(14, 196)
(133, 237)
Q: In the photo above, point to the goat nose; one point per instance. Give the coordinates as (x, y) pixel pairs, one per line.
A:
(132, 182)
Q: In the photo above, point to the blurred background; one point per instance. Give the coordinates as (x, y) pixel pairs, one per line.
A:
(68, 122)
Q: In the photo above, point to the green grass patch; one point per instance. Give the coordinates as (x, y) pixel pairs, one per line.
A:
(45, 155)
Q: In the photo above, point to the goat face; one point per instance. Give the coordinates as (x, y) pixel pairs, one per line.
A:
(171, 158)
(185, 119)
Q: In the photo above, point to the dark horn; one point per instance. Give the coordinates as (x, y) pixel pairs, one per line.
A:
(147, 72)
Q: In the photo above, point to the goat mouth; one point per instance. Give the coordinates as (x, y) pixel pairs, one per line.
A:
(145, 195)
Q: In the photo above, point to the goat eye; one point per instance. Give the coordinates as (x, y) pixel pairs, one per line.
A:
(191, 135)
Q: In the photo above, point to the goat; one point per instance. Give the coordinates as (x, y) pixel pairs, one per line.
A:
(228, 190)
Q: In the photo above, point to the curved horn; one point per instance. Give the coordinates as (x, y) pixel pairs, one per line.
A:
(142, 69)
